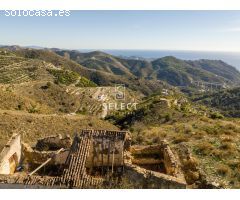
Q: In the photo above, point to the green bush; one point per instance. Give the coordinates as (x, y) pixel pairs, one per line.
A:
(64, 76)
(216, 115)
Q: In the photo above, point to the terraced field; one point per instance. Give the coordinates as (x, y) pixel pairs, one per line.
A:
(6, 60)
(48, 97)
(93, 99)
(44, 88)
(15, 69)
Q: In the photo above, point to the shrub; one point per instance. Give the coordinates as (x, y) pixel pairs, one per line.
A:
(168, 117)
(228, 146)
(227, 139)
(234, 164)
(82, 111)
(84, 82)
(212, 130)
(188, 129)
(139, 139)
(156, 140)
(204, 148)
(216, 116)
(180, 139)
(223, 170)
(217, 153)
(232, 127)
(33, 109)
(190, 164)
(90, 124)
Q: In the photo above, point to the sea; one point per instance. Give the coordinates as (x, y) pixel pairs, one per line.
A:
(231, 58)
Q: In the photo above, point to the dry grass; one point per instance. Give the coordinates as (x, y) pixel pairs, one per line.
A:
(204, 148)
(37, 126)
(179, 139)
(228, 146)
(223, 170)
(212, 142)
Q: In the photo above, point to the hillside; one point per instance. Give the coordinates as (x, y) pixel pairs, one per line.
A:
(99, 77)
(36, 86)
(98, 61)
(140, 75)
(159, 108)
(180, 73)
(35, 126)
(10, 100)
(50, 91)
(217, 67)
(17, 69)
(46, 97)
(174, 71)
(208, 147)
(226, 101)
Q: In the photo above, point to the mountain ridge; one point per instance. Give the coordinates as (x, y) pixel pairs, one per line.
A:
(185, 71)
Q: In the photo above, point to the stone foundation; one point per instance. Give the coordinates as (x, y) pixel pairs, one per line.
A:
(155, 166)
(93, 158)
(152, 180)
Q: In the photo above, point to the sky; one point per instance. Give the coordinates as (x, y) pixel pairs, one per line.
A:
(143, 30)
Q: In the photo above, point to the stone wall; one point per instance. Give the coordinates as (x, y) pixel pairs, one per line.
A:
(148, 179)
(140, 162)
(93, 149)
(106, 149)
(170, 161)
(151, 154)
(38, 157)
(11, 155)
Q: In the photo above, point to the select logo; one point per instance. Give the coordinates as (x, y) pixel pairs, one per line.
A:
(120, 92)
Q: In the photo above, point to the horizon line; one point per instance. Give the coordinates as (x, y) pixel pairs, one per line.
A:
(121, 49)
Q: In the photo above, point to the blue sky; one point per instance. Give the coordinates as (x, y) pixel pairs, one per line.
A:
(163, 30)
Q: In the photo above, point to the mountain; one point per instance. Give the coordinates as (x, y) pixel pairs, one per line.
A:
(174, 71)
(219, 68)
(39, 96)
(180, 73)
(140, 75)
(100, 77)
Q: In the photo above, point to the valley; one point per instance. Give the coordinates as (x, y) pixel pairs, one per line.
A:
(194, 105)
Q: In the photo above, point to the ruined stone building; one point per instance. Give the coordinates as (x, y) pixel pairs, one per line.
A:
(92, 159)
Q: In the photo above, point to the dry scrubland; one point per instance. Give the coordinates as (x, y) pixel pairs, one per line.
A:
(35, 126)
(207, 143)
(214, 145)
